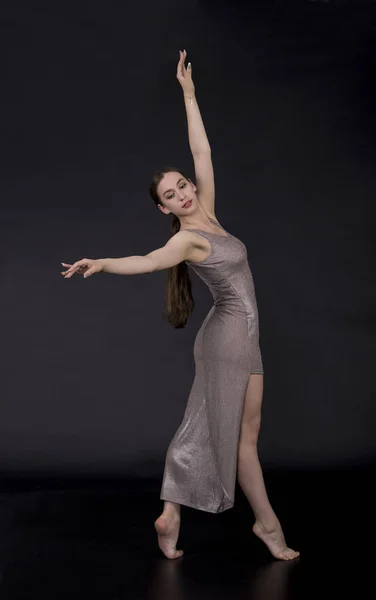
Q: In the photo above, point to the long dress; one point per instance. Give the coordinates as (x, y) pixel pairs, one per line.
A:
(201, 461)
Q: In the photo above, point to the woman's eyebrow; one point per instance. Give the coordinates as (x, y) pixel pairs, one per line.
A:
(176, 184)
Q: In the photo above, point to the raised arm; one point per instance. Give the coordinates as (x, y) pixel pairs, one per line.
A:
(178, 248)
(198, 141)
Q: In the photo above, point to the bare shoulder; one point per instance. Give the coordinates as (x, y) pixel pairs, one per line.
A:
(184, 236)
(197, 246)
(188, 239)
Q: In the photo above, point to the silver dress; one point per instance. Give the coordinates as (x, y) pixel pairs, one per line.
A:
(201, 461)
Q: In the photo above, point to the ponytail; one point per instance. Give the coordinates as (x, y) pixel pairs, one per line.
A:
(179, 299)
(180, 302)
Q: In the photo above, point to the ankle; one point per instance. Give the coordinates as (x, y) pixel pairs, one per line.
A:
(267, 525)
(171, 511)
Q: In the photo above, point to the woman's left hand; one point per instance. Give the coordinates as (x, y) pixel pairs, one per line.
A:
(184, 75)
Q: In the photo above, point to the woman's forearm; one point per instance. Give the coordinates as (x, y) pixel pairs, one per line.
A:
(198, 140)
(129, 265)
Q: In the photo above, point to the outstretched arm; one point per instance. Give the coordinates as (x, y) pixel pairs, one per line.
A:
(198, 141)
(177, 249)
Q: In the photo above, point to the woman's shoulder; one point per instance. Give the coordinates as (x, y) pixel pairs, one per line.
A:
(196, 245)
(190, 236)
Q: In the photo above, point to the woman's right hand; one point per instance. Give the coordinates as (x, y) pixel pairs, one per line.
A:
(85, 267)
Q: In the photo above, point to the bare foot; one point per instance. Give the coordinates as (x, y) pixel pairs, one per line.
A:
(275, 540)
(167, 528)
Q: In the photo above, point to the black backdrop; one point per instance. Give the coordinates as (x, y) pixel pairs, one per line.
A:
(93, 379)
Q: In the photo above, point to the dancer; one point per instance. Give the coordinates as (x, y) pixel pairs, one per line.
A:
(217, 439)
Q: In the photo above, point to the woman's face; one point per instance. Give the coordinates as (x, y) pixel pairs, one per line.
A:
(178, 195)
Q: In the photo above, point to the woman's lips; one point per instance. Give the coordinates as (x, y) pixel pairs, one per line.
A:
(187, 204)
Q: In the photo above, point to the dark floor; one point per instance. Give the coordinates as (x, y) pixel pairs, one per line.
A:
(95, 539)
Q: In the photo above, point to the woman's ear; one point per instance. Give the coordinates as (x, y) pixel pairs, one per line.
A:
(193, 185)
(163, 209)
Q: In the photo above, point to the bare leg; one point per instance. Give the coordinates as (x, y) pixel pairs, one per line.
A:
(167, 527)
(267, 526)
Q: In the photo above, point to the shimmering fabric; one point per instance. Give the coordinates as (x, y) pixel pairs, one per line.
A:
(201, 461)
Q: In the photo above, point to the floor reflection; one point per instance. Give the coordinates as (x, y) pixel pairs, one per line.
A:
(181, 579)
(273, 580)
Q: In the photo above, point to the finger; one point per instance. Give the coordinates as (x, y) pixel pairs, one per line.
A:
(84, 262)
(88, 273)
(72, 271)
(181, 64)
(179, 67)
(66, 265)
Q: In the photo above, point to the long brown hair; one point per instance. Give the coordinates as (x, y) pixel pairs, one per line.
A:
(179, 299)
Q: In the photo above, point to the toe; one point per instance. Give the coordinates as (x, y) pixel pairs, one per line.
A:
(290, 554)
(176, 554)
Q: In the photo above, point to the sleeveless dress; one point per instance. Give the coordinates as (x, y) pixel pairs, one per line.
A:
(201, 461)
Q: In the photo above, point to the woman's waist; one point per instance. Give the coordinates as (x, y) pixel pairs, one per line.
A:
(244, 307)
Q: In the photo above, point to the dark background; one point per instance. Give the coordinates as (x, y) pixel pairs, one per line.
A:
(93, 379)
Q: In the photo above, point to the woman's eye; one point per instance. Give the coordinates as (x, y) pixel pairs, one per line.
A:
(183, 185)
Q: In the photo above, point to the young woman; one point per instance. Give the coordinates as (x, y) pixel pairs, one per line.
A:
(217, 439)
